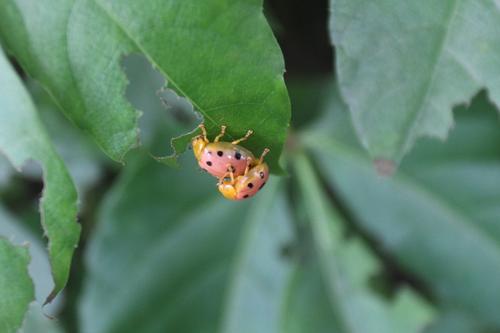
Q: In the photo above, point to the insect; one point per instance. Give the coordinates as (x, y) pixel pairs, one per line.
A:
(216, 157)
(249, 183)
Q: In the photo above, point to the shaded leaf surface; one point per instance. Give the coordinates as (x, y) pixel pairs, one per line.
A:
(308, 309)
(403, 66)
(16, 288)
(22, 138)
(261, 271)
(439, 215)
(456, 322)
(346, 267)
(219, 54)
(195, 255)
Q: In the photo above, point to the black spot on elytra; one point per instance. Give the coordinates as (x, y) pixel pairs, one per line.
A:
(220, 153)
(262, 175)
(209, 163)
(237, 156)
(261, 186)
(250, 185)
(245, 196)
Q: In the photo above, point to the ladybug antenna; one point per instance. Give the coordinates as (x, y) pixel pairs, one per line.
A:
(203, 131)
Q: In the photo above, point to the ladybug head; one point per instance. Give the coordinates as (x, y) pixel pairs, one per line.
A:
(198, 143)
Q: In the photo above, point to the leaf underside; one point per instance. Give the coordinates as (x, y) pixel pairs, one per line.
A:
(403, 66)
(346, 267)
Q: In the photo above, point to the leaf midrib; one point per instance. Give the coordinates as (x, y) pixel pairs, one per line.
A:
(417, 114)
(81, 123)
(116, 21)
(320, 215)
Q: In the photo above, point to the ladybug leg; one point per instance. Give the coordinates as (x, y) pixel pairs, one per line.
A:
(264, 153)
(222, 132)
(249, 132)
(203, 132)
(247, 168)
(229, 173)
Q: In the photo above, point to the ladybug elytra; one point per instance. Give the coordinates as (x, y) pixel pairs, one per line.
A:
(240, 175)
(216, 157)
(249, 183)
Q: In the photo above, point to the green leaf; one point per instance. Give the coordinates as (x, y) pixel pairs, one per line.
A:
(403, 66)
(439, 215)
(456, 322)
(36, 319)
(346, 267)
(16, 288)
(308, 309)
(17, 231)
(81, 157)
(194, 255)
(260, 272)
(74, 49)
(22, 138)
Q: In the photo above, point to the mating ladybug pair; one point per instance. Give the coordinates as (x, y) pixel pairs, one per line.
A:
(240, 174)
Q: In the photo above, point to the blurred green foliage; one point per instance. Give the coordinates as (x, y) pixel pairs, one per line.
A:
(331, 247)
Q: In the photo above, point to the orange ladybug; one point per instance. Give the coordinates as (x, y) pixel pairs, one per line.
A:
(216, 157)
(249, 183)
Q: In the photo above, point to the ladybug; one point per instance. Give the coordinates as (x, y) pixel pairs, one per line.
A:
(217, 157)
(247, 185)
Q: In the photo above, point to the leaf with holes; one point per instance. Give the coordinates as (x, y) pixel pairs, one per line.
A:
(22, 138)
(219, 54)
(403, 65)
(16, 288)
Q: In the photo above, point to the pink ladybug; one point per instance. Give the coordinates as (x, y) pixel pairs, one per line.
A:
(249, 183)
(217, 157)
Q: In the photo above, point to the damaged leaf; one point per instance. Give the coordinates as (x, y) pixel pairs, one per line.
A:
(74, 48)
(23, 138)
